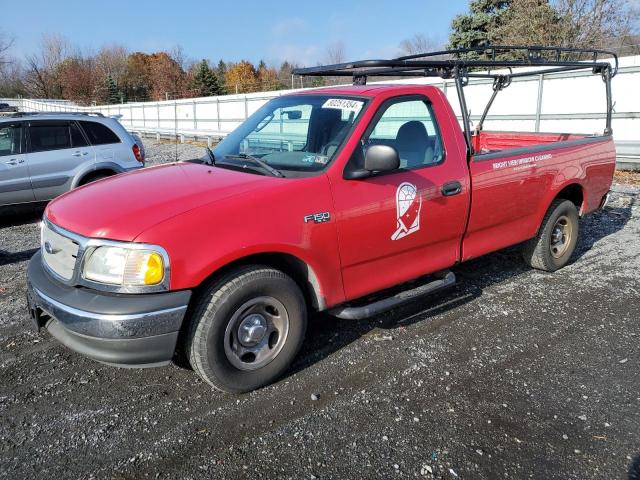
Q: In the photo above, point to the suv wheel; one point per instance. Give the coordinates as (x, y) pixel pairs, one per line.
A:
(556, 240)
(93, 178)
(246, 329)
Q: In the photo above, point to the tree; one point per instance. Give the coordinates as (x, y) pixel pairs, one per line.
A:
(417, 44)
(112, 93)
(11, 74)
(284, 74)
(221, 71)
(335, 53)
(79, 80)
(474, 29)
(42, 77)
(599, 23)
(241, 78)
(11, 80)
(111, 61)
(5, 45)
(204, 82)
(531, 22)
(137, 78)
(268, 78)
(168, 79)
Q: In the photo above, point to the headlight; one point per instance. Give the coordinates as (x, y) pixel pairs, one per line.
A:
(128, 267)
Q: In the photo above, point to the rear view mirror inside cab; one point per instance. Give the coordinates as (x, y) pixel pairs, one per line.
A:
(292, 114)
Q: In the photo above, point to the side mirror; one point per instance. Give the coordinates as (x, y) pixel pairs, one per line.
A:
(381, 158)
(378, 158)
(293, 114)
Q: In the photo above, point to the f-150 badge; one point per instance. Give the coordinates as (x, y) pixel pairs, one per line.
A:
(408, 205)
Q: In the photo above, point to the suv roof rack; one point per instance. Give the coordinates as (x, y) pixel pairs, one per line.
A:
(61, 112)
(458, 65)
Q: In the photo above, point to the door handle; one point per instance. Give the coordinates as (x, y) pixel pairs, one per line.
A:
(76, 154)
(451, 188)
(14, 161)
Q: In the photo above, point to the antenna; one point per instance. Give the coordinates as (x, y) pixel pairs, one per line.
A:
(175, 126)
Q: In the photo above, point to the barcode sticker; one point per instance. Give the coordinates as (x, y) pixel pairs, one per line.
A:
(343, 104)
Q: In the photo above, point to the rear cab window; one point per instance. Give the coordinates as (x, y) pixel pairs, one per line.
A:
(99, 134)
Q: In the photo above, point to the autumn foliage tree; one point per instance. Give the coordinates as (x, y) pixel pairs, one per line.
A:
(79, 79)
(241, 77)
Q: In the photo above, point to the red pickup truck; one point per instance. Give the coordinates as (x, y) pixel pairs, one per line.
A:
(317, 201)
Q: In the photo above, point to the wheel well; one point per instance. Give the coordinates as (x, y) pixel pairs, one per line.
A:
(96, 173)
(574, 194)
(291, 265)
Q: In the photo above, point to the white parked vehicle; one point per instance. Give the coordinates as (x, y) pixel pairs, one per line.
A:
(43, 155)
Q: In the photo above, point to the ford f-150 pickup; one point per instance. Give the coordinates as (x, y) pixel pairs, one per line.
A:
(318, 201)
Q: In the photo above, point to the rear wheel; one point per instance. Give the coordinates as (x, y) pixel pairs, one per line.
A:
(246, 329)
(556, 239)
(93, 178)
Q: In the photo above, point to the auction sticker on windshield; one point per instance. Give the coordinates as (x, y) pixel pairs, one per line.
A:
(343, 104)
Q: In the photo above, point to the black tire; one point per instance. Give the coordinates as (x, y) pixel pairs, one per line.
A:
(542, 251)
(93, 178)
(217, 308)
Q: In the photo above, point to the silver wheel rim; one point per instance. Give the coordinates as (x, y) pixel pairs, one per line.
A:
(561, 236)
(256, 333)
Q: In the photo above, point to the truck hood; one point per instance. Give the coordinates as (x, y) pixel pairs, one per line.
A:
(124, 206)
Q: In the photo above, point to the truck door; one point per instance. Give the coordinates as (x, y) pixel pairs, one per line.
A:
(396, 226)
(58, 151)
(15, 185)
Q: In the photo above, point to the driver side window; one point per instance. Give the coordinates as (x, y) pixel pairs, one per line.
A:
(410, 127)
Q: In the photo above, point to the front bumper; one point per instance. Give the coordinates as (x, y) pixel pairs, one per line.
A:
(118, 329)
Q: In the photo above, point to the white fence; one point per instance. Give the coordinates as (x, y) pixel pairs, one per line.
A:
(572, 102)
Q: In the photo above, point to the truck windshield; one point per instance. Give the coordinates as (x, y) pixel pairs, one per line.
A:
(296, 133)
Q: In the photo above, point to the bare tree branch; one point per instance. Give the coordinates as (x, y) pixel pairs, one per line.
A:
(5, 44)
(419, 43)
(335, 53)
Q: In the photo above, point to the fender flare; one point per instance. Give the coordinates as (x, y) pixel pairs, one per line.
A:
(82, 174)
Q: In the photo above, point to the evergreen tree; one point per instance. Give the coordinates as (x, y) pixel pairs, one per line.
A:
(221, 72)
(113, 95)
(205, 83)
(474, 29)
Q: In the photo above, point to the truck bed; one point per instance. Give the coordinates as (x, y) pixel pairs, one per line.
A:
(516, 175)
(490, 142)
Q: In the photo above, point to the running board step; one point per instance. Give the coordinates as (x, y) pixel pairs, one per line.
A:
(447, 280)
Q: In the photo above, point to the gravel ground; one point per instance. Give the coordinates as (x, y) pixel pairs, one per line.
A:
(513, 374)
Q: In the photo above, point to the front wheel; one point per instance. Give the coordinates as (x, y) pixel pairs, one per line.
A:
(246, 329)
(556, 239)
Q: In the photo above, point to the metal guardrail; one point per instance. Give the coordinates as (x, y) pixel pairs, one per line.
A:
(628, 155)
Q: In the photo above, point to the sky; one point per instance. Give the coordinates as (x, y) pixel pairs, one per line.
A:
(272, 30)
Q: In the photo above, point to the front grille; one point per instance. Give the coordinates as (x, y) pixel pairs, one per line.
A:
(58, 252)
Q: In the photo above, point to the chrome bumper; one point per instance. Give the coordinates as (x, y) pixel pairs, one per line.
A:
(123, 330)
(131, 325)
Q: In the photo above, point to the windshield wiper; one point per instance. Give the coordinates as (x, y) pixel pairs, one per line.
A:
(264, 165)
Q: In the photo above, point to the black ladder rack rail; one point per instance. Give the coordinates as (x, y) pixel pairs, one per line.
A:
(457, 65)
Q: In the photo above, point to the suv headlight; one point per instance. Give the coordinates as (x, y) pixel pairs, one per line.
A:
(126, 267)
